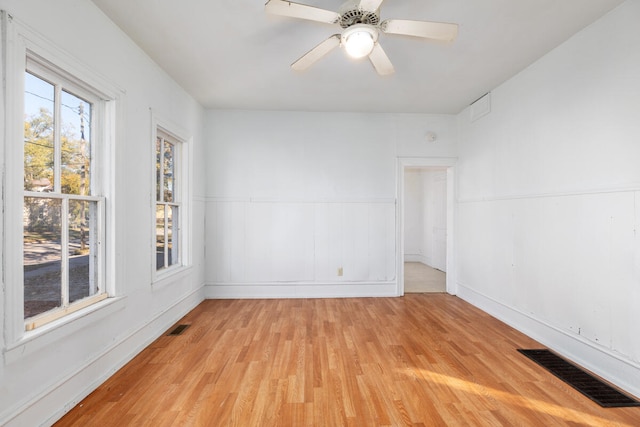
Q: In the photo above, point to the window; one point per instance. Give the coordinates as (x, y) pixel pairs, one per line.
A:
(168, 209)
(60, 127)
(170, 219)
(63, 208)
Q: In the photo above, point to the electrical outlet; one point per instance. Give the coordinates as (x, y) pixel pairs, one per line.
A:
(339, 271)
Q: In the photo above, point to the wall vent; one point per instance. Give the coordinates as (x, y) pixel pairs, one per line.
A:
(178, 330)
(592, 387)
(481, 107)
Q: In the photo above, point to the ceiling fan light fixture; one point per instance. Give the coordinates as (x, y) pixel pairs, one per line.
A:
(361, 28)
(359, 40)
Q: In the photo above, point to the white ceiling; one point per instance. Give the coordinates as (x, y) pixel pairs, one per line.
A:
(229, 54)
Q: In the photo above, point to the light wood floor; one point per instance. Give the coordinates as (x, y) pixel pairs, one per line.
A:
(419, 277)
(420, 360)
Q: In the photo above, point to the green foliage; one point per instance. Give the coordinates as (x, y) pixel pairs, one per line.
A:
(70, 182)
(38, 150)
(43, 215)
(39, 162)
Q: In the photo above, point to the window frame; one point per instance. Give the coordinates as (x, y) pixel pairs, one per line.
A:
(161, 127)
(22, 45)
(61, 82)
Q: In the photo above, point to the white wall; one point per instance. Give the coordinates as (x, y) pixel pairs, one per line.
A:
(42, 378)
(425, 216)
(435, 225)
(548, 188)
(293, 197)
(414, 217)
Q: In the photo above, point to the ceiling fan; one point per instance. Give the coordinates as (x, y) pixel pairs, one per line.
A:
(361, 28)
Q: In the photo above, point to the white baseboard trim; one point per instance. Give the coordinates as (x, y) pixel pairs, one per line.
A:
(57, 400)
(299, 290)
(621, 372)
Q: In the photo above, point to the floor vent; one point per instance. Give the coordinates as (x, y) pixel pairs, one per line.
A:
(178, 330)
(596, 390)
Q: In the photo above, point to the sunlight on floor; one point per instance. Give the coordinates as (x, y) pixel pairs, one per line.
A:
(567, 414)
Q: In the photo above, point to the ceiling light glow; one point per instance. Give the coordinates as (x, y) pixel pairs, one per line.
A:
(359, 44)
(359, 40)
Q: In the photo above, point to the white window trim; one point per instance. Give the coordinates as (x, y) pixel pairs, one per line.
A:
(160, 278)
(19, 42)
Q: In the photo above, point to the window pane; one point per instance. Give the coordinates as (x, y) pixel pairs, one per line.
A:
(169, 158)
(160, 237)
(82, 249)
(75, 151)
(38, 134)
(172, 235)
(168, 250)
(158, 169)
(42, 255)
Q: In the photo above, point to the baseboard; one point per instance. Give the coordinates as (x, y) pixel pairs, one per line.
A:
(58, 399)
(612, 367)
(300, 290)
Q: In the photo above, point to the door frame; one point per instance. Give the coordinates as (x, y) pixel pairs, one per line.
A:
(426, 162)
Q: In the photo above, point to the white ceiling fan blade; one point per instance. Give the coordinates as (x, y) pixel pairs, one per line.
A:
(302, 11)
(428, 30)
(370, 5)
(381, 61)
(317, 53)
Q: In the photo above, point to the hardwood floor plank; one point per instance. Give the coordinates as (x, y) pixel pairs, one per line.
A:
(420, 360)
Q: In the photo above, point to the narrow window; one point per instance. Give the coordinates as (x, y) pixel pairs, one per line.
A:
(62, 207)
(168, 202)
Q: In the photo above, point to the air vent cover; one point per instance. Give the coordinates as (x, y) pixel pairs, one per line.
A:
(178, 330)
(596, 390)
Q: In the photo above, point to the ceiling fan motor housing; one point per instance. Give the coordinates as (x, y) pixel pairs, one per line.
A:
(352, 14)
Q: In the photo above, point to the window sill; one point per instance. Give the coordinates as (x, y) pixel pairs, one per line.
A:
(51, 333)
(170, 275)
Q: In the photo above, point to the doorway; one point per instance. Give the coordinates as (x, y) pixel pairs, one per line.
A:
(425, 229)
(425, 225)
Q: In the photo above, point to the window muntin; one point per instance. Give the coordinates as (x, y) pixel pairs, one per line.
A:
(168, 206)
(62, 217)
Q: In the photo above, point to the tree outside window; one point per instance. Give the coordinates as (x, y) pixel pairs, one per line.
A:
(168, 206)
